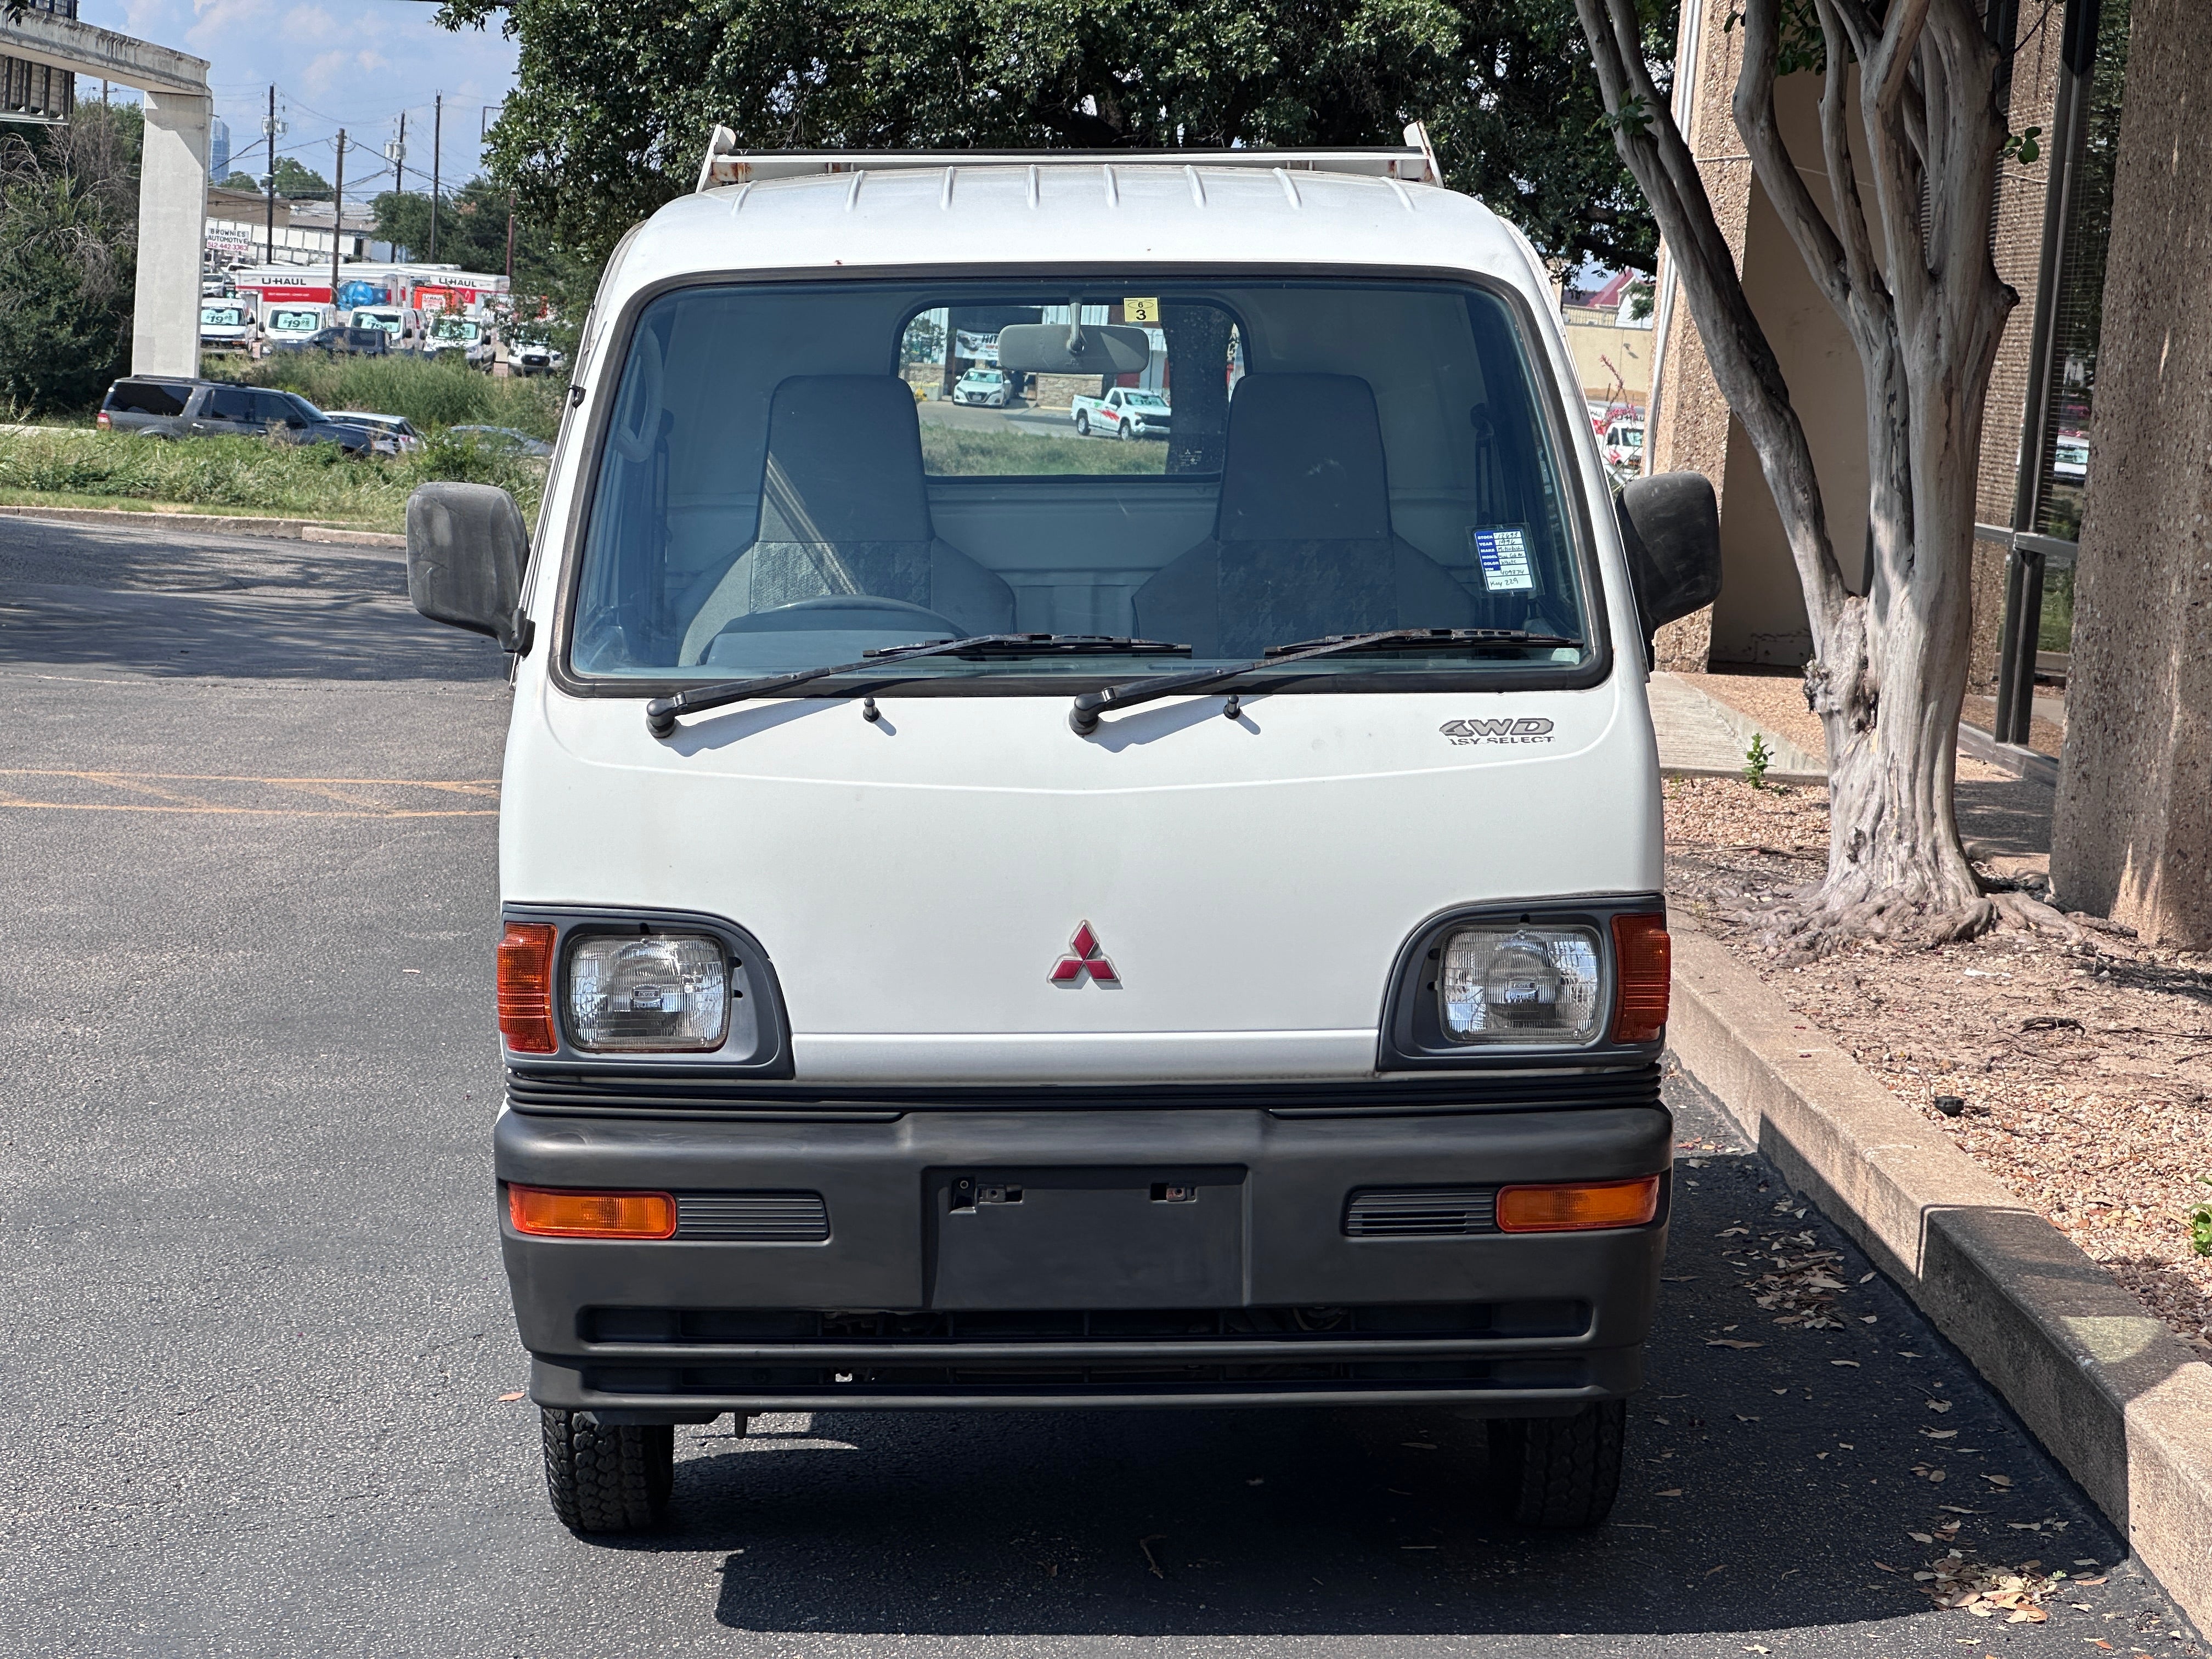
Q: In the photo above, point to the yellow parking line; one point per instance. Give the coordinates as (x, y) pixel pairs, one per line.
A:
(465, 786)
(243, 811)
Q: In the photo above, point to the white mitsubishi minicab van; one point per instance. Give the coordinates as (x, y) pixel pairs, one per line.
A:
(995, 917)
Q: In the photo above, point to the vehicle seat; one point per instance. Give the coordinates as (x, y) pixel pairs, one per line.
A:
(844, 512)
(1302, 544)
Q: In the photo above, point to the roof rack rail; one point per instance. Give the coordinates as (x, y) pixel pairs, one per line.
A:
(1413, 163)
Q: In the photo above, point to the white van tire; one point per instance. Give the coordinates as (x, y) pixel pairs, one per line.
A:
(1558, 1473)
(604, 1478)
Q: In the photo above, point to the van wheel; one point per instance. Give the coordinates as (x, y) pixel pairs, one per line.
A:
(1560, 1473)
(1083, 423)
(602, 1478)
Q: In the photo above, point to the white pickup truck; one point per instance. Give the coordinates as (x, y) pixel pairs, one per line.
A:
(1126, 411)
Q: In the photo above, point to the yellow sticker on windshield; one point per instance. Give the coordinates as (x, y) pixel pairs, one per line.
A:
(1140, 310)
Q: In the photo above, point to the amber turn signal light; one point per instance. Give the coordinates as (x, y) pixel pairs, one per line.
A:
(526, 988)
(1643, 966)
(1577, 1206)
(551, 1213)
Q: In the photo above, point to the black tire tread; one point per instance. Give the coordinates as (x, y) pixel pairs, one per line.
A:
(1559, 1474)
(607, 1478)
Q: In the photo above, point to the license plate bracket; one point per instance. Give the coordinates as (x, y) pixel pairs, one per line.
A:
(1133, 1237)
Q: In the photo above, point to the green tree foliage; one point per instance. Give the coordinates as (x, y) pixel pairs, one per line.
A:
(615, 103)
(471, 232)
(69, 246)
(302, 183)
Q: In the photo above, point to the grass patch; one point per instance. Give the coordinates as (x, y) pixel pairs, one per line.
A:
(430, 392)
(971, 451)
(251, 475)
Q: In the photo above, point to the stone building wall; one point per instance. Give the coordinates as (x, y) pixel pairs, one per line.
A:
(2133, 834)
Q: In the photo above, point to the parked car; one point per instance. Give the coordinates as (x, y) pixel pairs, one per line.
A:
(151, 406)
(401, 326)
(293, 319)
(986, 386)
(228, 324)
(398, 426)
(447, 333)
(1254, 1000)
(505, 438)
(335, 343)
(533, 358)
(1623, 443)
(1126, 411)
(2070, 457)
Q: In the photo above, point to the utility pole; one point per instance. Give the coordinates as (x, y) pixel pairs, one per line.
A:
(269, 128)
(338, 216)
(437, 141)
(510, 245)
(395, 153)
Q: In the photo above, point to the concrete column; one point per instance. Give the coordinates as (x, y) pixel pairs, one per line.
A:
(2133, 835)
(173, 182)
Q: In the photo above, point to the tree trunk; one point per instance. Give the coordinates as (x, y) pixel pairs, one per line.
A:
(1888, 694)
(1918, 293)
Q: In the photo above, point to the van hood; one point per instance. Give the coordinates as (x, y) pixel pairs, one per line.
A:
(916, 880)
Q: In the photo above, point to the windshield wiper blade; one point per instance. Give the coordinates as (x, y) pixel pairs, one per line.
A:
(660, 713)
(1084, 714)
(1059, 644)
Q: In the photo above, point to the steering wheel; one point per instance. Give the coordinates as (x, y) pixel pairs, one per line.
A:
(865, 610)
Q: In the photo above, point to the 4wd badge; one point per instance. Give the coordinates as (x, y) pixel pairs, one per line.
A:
(1529, 728)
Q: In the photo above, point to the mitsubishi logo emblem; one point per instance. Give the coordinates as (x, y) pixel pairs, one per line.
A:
(1083, 958)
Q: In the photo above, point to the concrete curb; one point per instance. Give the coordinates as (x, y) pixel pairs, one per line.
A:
(2113, 1395)
(2015, 759)
(1810, 780)
(294, 529)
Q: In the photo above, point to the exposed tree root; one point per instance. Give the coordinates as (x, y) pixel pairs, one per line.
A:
(1805, 925)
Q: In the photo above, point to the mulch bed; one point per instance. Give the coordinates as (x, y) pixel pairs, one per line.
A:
(2086, 1069)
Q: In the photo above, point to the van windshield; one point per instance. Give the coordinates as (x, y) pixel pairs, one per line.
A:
(786, 480)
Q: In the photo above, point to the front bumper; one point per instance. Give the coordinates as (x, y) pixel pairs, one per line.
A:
(1254, 1290)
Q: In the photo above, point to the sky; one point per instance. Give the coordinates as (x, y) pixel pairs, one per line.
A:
(356, 65)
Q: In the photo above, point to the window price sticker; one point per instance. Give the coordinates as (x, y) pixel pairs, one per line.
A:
(1502, 552)
(1140, 310)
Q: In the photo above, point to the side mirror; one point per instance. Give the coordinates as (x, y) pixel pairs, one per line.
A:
(466, 552)
(1671, 528)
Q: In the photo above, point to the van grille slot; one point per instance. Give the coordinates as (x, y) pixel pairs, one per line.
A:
(1420, 1211)
(753, 1218)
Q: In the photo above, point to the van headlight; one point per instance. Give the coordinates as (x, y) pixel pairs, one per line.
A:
(659, 992)
(1520, 983)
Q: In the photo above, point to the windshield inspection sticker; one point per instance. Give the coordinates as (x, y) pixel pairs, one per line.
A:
(1140, 310)
(1502, 552)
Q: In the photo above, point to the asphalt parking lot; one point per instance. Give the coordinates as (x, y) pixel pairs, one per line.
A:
(258, 1339)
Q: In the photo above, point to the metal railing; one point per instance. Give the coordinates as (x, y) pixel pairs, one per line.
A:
(2027, 557)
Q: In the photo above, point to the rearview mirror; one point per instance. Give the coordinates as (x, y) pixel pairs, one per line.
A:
(466, 552)
(1670, 527)
(1070, 349)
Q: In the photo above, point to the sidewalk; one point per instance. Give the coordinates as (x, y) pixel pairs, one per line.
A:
(1702, 737)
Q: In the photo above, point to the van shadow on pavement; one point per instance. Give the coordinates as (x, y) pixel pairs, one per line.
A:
(164, 601)
(1768, 1487)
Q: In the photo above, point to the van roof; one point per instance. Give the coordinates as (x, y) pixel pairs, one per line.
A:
(1305, 207)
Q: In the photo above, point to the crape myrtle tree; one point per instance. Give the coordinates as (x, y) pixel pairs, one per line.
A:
(614, 104)
(1910, 103)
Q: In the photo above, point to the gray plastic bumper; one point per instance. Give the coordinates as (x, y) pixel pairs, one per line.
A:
(1186, 1256)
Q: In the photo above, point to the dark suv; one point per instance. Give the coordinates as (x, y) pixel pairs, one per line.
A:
(336, 342)
(154, 407)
